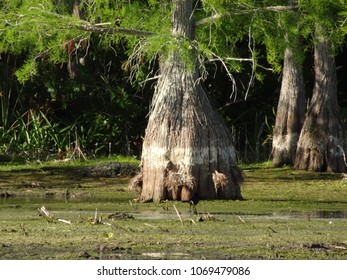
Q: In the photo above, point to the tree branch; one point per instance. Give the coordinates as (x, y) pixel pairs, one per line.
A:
(231, 77)
(100, 29)
(230, 59)
(277, 8)
(255, 10)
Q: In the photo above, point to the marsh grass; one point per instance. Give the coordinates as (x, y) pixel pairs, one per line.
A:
(286, 214)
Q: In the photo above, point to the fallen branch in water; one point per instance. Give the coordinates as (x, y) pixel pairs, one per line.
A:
(242, 220)
(65, 221)
(50, 217)
(178, 214)
(44, 212)
(270, 228)
(97, 220)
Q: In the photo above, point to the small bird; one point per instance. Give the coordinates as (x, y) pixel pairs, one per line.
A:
(193, 201)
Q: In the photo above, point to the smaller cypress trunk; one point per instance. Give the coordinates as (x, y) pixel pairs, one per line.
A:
(290, 112)
(320, 147)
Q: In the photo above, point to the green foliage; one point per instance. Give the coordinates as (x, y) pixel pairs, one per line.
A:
(37, 27)
(238, 36)
(27, 70)
(327, 14)
(33, 28)
(32, 134)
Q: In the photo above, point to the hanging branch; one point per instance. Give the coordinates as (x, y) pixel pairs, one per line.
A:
(108, 28)
(231, 77)
(251, 80)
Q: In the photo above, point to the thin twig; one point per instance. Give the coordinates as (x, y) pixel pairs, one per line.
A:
(96, 214)
(151, 226)
(65, 221)
(150, 79)
(231, 77)
(255, 10)
(251, 80)
(178, 214)
(242, 220)
(112, 30)
(270, 228)
(230, 59)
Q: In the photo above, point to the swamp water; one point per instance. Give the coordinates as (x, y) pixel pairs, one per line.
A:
(286, 214)
(160, 211)
(110, 229)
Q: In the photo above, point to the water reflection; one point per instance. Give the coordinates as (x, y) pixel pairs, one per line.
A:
(154, 212)
(319, 214)
(336, 214)
(329, 214)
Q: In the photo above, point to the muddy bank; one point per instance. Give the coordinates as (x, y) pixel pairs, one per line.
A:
(64, 180)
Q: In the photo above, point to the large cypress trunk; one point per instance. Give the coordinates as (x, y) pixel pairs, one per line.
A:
(290, 112)
(322, 136)
(187, 148)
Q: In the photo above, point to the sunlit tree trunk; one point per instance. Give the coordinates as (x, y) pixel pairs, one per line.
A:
(187, 147)
(322, 136)
(290, 112)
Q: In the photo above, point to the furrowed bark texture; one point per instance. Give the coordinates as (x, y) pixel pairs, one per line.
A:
(290, 112)
(186, 140)
(322, 136)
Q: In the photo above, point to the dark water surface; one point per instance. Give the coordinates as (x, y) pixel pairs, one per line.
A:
(110, 205)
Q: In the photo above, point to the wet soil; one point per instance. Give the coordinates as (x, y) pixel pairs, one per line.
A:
(285, 215)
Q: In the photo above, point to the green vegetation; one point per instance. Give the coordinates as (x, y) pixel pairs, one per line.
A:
(76, 80)
(107, 98)
(286, 214)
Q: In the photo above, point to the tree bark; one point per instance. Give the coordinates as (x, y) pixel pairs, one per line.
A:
(290, 112)
(186, 141)
(322, 136)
